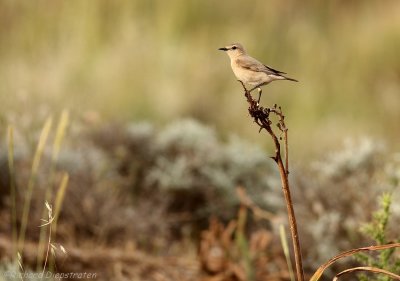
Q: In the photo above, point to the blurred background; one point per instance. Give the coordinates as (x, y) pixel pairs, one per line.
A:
(142, 79)
(158, 60)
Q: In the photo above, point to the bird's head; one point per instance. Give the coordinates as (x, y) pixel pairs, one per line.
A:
(233, 50)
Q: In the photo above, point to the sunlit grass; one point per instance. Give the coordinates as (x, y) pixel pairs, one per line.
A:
(58, 139)
(32, 180)
(12, 189)
(31, 192)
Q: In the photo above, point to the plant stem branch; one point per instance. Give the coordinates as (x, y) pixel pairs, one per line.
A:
(261, 117)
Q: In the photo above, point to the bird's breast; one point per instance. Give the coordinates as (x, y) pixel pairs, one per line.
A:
(248, 76)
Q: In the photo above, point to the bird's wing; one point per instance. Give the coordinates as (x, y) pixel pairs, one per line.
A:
(274, 70)
(254, 65)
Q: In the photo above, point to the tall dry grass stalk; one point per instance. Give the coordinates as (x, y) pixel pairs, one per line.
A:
(58, 139)
(285, 246)
(32, 180)
(58, 203)
(51, 248)
(11, 169)
(47, 234)
(50, 234)
(49, 223)
(59, 200)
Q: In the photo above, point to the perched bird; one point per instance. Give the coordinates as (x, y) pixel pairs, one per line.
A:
(250, 71)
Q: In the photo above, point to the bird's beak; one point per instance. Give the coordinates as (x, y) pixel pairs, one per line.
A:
(223, 49)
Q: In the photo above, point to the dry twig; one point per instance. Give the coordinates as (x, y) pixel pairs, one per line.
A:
(261, 117)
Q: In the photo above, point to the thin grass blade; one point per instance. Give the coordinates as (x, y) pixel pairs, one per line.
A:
(369, 269)
(59, 200)
(323, 267)
(285, 247)
(60, 133)
(35, 167)
(58, 139)
(11, 170)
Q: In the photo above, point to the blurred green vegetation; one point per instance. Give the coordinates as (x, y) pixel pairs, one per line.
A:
(158, 60)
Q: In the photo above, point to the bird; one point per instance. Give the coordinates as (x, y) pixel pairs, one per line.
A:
(250, 71)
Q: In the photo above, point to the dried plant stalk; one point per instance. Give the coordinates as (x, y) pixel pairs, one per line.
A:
(348, 253)
(261, 117)
(368, 269)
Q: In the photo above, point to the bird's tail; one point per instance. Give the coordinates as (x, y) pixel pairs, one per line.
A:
(291, 79)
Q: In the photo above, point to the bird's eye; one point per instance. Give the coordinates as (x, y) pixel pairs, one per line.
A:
(234, 48)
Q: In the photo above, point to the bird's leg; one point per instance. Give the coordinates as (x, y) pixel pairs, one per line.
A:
(258, 86)
(259, 94)
(259, 91)
(252, 89)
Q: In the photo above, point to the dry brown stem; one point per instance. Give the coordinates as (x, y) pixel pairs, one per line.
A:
(368, 269)
(348, 253)
(261, 117)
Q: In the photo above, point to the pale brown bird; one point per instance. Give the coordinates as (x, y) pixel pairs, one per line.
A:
(250, 71)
